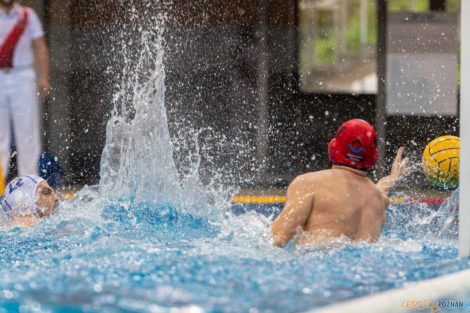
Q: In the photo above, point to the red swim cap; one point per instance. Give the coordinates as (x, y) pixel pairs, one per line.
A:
(355, 145)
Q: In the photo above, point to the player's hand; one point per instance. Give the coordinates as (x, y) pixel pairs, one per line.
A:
(399, 167)
(44, 88)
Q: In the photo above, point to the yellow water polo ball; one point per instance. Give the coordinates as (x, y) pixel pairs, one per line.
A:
(441, 161)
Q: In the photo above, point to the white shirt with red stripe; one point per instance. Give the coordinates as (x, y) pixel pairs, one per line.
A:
(23, 56)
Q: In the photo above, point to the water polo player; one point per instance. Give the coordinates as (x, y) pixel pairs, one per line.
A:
(28, 200)
(341, 201)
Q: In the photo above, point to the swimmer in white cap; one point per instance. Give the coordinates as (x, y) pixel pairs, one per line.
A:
(28, 200)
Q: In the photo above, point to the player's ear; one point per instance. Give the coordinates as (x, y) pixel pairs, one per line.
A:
(332, 149)
(376, 156)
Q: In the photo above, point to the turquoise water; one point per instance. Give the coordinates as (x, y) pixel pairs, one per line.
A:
(99, 256)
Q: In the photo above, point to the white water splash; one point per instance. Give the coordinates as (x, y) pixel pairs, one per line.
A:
(137, 161)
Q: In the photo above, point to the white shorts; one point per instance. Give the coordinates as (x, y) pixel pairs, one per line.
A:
(19, 105)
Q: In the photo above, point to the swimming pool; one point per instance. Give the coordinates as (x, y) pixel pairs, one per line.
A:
(149, 239)
(96, 256)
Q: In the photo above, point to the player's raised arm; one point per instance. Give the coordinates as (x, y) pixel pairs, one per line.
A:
(296, 211)
(399, 169)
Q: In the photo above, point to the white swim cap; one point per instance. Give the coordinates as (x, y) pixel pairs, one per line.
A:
(20, 195)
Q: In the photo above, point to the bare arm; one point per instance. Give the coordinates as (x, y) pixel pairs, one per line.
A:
(399, 169)
(41, 56)
(298, 206)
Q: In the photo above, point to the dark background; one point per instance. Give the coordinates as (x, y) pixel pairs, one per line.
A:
(212, 54)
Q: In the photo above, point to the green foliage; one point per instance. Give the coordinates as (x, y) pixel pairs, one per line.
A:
(324, 50)
(406, 5)
(353, 40)
(325, 22)
(453, 5)
(372, 25)
(306, 56)
(320, 48)
(353, 33)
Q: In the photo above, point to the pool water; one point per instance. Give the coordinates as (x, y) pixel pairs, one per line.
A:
(114, 256)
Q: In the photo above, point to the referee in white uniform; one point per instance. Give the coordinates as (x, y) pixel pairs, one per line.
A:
(22, 47)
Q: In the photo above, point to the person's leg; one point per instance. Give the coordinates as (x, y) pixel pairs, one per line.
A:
(5, 133)
(26, 126)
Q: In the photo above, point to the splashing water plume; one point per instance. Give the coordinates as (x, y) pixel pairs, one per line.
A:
(137, 161)
(149, 239)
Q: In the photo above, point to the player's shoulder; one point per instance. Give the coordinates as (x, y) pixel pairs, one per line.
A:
(309, 178)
